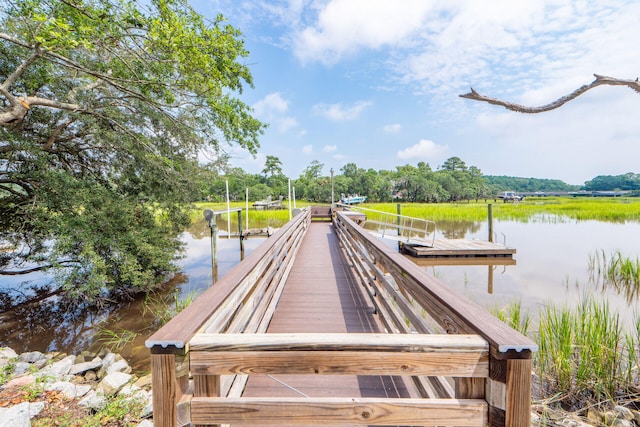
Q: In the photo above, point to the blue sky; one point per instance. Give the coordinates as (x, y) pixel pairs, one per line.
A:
(376, 83)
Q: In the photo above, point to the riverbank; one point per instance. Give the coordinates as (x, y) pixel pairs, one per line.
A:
(88, 389)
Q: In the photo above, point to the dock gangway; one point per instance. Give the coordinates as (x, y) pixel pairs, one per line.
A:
(325, 324)
(402, 228)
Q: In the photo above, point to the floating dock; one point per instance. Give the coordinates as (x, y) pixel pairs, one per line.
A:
(459, 248)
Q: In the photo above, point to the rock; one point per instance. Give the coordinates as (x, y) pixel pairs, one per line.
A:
(113, 382)
(636, 417)
(594, 417)
(23, 381)
(93, 400)
(32, 357)
(574, 422)
(108, 360)
(70, 390)
(16, 416)
(144, 382)
(119, 366)
(147, 411)
(624, 413)
(58, 369)
(145, 423)
(20, 368)
(129, 390)
(80, 368)
(6, 356)
(90, 376)
(35, 408)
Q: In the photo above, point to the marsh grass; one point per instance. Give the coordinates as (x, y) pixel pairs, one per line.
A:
(616, 271)
(532, 209)
(513, 316)
(585, 354)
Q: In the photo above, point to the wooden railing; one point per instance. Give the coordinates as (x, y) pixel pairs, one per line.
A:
(401, 292)
(469, 368)
(339, 354)
(243, 301)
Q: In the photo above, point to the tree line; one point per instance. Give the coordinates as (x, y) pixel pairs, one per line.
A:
(450, 182)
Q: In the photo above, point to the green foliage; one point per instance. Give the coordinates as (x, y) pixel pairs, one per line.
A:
(119, 411)
(527, 185)
(628, 181)
(585, 352)
(96, 175)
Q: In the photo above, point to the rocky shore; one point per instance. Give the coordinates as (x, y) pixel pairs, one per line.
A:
(34, 385)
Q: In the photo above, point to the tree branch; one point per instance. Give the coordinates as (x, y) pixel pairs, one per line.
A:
(599, 81)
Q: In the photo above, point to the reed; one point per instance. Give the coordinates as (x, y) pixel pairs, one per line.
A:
(585, 353)
(617, 272)
(513, 316)
(533, 209)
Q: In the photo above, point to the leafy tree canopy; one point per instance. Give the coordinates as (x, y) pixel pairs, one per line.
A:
(104, 107)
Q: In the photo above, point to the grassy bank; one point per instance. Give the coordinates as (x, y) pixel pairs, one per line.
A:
(545, 209)
(551, 209)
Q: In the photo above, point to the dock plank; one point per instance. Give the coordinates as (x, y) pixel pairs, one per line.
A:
(321, 296)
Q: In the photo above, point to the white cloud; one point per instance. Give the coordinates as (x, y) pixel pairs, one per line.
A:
(338, 112)
(272, 109)
(307, 149)
(424, 150)
(329, 148)
(271, 104)
(344, 26)
(394, 128)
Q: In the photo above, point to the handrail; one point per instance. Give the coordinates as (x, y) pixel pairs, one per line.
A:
(452, 311)
(390, 277)
(407, 229)
(179, 330)
(338, 354)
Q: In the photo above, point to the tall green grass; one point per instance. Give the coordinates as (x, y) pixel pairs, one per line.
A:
(585, 353)
(616, 271)
(533, 209)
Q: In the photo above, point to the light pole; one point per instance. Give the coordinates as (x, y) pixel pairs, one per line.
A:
(331, 187)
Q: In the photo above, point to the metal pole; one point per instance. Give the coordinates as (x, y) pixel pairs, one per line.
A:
(332, 197)
(240, 235)
(293, 189)
(228, 212)
(490, 220)
(289, 199)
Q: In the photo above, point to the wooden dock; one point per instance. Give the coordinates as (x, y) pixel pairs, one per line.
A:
(324, 324)
(459, 248)
(321, 296)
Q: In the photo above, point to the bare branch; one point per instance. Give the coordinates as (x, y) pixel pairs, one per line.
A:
(599, 81)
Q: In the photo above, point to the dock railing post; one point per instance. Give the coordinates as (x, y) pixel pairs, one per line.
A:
(490, 220)
(170, 382)
(240, 234)
(509, 388)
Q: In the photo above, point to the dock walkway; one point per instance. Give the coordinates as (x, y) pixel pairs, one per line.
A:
(290, 336)
(321, 296)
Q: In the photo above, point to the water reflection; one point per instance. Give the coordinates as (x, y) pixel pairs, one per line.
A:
(51, 323)
(552, 265)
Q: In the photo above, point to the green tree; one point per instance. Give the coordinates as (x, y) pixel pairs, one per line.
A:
(104, 107)
(272, 166)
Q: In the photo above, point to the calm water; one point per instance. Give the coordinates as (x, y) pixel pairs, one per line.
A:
(552, 263)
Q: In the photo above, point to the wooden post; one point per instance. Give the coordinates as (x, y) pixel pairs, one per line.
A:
(490, 279)
(490, 220)
(206, 386)
(509, 389)
(240, 235)
(214, 250)
(170, 381)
